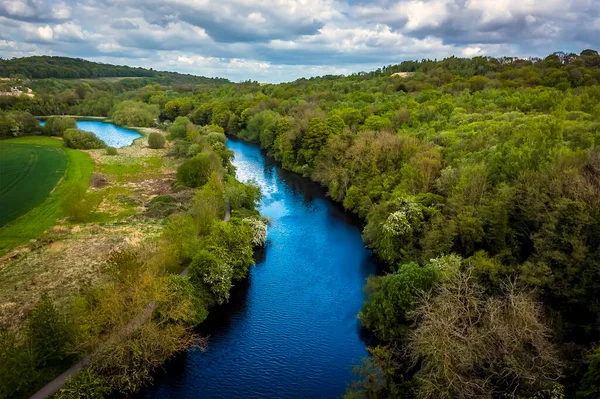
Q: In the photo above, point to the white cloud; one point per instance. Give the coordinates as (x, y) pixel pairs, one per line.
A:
(286, 39)
(18, 8)
(45, 33)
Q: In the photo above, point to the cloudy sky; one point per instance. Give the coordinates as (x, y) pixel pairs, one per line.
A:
(281, 40)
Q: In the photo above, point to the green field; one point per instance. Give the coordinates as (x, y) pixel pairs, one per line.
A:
(27, 175)
(76, 165)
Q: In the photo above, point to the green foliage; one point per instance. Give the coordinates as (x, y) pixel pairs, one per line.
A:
(377, 123)
(85, 385)
(493, 159)
(82, 140)
(196, 171)
(213, 271)
(156, 140)
(393, 297)
(226, 257)
(42, 217)
(336, 124)
(242, 196)
(232, 242)
(376, 377)
(392, 226)
(180, 128)
(49, 333)
(316, 135)
(78, 205)
(18, 371)
(112, 151)
(259, 228)
(590, 384)
(180, 234)
(40, 67)
(56, 125)
(162, 206)
(135, 113)
(18, 123)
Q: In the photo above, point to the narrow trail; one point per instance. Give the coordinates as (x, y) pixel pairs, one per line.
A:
(56, 384)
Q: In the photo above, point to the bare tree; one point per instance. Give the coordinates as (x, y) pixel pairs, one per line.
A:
(474, 346)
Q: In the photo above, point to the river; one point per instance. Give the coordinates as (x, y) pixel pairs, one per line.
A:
(290, 330)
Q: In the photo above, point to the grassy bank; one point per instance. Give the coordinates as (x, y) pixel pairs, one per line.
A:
(35, 222)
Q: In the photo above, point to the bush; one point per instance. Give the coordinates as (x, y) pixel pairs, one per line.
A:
(156, 140)
(17, 123)
(56, 125)
(242, 196)
(213, 272)
(161, 206)
(196, 171)
(17, 366)
(215, 137)
(111, 151)
(77, 206)
(49, 334)
(85, 385)
(259, 228)
(81, 140)
(180, 127)
(135, 113)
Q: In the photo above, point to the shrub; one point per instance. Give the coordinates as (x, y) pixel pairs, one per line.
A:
(85, 385)
(196, 171)
(111, 151)
(77, 206)
(242, 196)
(79, 139)
(161, 206)
(393, 297)
(232, 242)
(216, 137)
(156, 140)
(180, 127)
(135, 113)
(56, 125)
(49, 334)
(17, 123)
(180, 148)
(217, 274)
(259, 229)
(17, 366)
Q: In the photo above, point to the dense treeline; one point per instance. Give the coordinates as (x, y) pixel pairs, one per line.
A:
(478, 180)
(42, 67)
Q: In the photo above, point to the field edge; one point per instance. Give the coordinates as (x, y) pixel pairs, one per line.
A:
(31, 225)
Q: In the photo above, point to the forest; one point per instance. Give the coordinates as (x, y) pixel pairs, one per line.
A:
(478, 181)
(42, 67)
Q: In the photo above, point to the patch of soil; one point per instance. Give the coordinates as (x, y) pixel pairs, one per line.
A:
(98, 181)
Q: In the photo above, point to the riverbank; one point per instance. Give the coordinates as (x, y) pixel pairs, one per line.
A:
(295, 318)
(134, 216)
(60, 254)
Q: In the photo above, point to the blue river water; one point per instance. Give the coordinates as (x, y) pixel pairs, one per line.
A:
(112, 135)
(290, 330)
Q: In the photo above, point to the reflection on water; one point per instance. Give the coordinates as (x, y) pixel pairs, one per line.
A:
(290, 329)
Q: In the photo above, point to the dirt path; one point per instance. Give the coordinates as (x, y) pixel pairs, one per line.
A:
(56, 384)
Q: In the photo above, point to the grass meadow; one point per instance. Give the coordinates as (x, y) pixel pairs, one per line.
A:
(29, 182)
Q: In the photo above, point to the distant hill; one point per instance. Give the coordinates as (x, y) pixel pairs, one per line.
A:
(42, 67)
